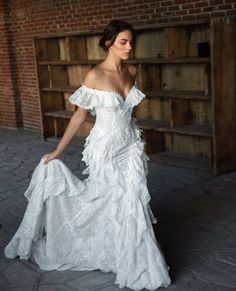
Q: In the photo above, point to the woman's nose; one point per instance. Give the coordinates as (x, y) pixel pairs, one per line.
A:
(129, 46)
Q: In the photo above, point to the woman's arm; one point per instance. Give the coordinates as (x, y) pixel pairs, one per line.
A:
(76, 120)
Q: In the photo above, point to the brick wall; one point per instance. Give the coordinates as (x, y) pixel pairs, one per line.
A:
(20, 20)
(10, 103)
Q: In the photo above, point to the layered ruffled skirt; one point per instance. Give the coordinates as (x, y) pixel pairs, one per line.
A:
(102, 222)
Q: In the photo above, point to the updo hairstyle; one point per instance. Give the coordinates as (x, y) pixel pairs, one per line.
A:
(111, 31)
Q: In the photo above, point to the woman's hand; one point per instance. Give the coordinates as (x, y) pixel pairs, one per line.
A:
(76, 120)
(50, 156)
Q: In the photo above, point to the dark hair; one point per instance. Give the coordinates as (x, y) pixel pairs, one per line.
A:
(111, 30)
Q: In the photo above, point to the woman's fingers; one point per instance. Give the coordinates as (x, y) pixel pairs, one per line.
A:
(48, 157)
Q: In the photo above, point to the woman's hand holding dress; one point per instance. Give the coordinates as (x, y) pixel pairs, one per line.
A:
(76, 120)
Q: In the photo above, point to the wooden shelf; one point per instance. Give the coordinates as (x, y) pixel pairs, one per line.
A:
(66, 114)
(150, 124)
(66, 63)
(151, 94)
(157, 125)
(186, 60)
(178, 94)
(185, 99)
(183, 60)
(187, 129)
(61, 89)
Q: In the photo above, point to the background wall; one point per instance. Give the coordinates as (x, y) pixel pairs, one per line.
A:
(20, 20)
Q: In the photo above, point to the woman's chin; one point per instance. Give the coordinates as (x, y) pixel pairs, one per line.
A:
(125, 57)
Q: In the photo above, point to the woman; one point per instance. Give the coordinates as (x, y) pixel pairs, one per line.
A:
(104, 221)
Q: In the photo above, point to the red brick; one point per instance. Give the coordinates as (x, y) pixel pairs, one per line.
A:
(230, 1)
(179, 1)
(173, 8)
(181, 12)
(166, 3)
(201, 4)
(194, 11)
(187, 6)
(189, 17)
(225, 7)
(231, 12)
(216, 2)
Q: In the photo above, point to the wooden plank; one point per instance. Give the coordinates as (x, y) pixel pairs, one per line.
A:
(156, 109)
(151, 95)
(178, 94)
(63, 49)
(195, 35)
(188, 76)
(68, 105)
(53, 52)
(175, 42)
(143, 109)
(130, 61)
(150, 44)
(152, 141)
(77, 49)
(40, 50)
(179, 112)
(200, 112)
(59, 76)
(94, 51)
(60, 89)
(43, 76)
(188, 129)
(148, 77)
(193, 145)
(171, 60)
(76, 74)
(66, 114)
(68, 63)
(61, 119)
(223, 51)
(50, 101)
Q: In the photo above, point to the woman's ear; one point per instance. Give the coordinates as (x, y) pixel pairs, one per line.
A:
(107, 43)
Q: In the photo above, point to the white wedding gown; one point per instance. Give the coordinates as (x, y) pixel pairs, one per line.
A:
(104, 221)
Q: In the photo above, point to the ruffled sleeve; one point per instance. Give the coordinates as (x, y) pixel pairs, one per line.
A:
(84, 98)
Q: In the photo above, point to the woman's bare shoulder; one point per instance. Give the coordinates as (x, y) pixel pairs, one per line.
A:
(92, 77)
(133, 70)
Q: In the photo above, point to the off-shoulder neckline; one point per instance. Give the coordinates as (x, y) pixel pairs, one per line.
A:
(124, 98)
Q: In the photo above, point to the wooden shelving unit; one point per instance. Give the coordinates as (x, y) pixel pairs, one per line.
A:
(189, 112)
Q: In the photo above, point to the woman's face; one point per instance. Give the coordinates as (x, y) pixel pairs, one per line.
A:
(122, 45)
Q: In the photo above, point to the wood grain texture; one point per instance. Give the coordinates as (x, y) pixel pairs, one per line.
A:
(224, 93)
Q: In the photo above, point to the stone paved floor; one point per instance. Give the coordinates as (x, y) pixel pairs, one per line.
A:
(196, 222)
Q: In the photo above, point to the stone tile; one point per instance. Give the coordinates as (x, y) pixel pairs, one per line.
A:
(15, 271)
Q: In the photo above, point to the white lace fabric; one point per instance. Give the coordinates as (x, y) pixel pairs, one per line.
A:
(104, 221)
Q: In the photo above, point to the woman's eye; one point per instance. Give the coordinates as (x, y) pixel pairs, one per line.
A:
(123, 43)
